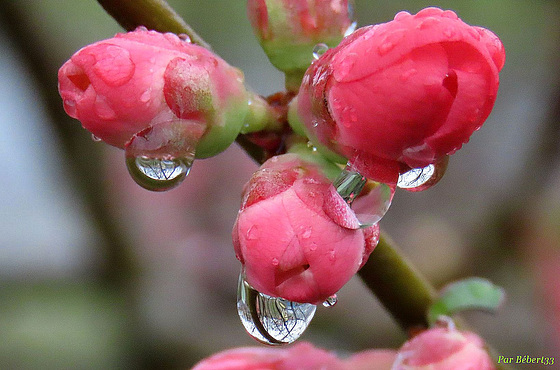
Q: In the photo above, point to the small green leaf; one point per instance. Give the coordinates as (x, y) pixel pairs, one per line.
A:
(468, 294)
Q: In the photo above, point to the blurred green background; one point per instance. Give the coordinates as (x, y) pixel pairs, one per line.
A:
(97, 273)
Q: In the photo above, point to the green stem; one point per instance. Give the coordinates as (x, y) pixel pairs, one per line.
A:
(293, 80)
(153, 14)
(402, 290)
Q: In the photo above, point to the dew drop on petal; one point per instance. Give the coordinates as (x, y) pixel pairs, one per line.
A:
(402, 15)
(306, 233)
(70, 107)
(386, 47)
(253, 232)
(185, 37)
(146, 95)
(369, 199)
(330, 301)
(271, 320)
(319, 50)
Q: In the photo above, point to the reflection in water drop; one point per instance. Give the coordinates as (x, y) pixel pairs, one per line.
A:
(330, 301)
(415, 177)
(159, 157)
(319, 50)
(418, 179)
(271, 320)
(351, 29)
(158, 174)
(369, 199)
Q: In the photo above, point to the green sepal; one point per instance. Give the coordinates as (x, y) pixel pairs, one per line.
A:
(468, 294)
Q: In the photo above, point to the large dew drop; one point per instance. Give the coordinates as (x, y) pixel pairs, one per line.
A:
(158, 174)
(319, 50)
(418, 179)
(271, 320)
(159, 157)
(369, 199)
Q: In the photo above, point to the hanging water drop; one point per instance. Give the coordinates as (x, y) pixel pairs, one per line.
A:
(159, 157)
(95, 138)
(415, 177)
(418, 179)
(158, 174)
(319, 50)
(271, 320)
(369, 199)
(330, 301)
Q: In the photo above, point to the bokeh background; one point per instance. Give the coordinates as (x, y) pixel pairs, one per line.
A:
(96, 272)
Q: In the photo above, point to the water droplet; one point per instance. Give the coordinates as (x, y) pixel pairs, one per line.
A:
(157, 174)
(332, 255)
(252, 232)
(386, 47)
(146, 95)
(418, 179)
(345, 66)
(95, 138)
(306, 233)
(103, 109)
(449, 32)
(402, 15)
(407, 74)
(70, 107)
(351, 29)
(271, 320)
(275, 262)
(159, 157)
(415, 177)
(369, 199)
(330, 301)
(185, 37)
(313, 246)
(319, 50)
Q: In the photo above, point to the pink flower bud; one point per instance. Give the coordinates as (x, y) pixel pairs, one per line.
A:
(372, 359)
(299, 356)
(121, 86)
(402, 94)
(443, 348)
(289, 29)
(296, 239)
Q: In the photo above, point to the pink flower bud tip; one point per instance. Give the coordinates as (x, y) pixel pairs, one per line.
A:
(296, 239)
(402, 94)
(443, 348)
(121, 86)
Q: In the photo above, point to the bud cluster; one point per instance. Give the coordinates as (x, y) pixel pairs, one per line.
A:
(384, 107)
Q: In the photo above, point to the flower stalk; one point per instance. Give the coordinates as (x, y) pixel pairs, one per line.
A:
(398, 285)
(153, 14)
